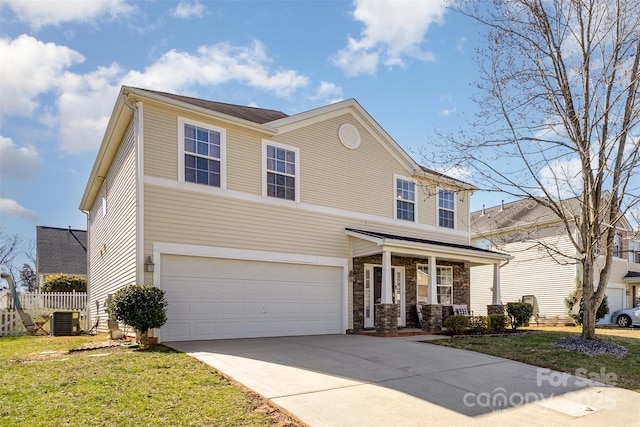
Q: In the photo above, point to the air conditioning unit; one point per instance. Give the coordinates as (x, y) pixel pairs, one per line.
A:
(65, 323)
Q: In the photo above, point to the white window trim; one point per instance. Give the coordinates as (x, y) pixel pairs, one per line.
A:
(448, 286)
(418, 266)
(296, 150)
(223, 149)
(395, 199)
(455, 209)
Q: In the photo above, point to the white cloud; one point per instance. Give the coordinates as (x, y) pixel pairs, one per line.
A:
(30, 68)
(447, 112)
(393, 30)
(17, 162)
(12, 209)
(38, 14)
(462, 41)
(84, 114)
(562, 178)
(186, 10)
(329, 91)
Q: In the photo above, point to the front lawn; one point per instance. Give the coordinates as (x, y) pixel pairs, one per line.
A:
(43, 385)
(537, 349)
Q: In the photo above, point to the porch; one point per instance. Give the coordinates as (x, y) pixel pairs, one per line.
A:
(392, 274)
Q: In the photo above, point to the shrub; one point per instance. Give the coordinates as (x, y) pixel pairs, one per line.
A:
(478, 324)
(140, 306)
(519, 313)
(456, 323)
(496, 323)
(64, 283)
(577, 318)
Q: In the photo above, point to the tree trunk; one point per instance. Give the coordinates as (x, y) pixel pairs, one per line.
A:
(589, 320)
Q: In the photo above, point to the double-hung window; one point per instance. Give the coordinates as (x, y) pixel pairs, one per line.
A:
(422, 284)
(617, 246)
(202, 151)
(446, 209)
(444, 282)
(405, 199)
(281, 171)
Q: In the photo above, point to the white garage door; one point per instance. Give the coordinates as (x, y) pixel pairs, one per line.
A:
(211, 298)
(615, 299)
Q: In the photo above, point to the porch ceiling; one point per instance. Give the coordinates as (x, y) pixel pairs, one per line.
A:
(422, 248)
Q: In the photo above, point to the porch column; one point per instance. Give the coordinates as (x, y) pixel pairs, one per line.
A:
(386, 291)
(497, 299)
(432, 291)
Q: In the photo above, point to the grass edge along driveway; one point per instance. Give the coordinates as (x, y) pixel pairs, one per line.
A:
(42, 384)
(537, 349)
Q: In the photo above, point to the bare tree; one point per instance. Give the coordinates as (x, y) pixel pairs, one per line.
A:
(560, 114)
(9, 249)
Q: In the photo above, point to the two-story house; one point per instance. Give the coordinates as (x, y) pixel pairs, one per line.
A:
(60, 250)
(544, 259)
(256, 223)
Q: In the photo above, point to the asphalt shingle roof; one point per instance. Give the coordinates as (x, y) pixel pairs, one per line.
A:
(252, 114)
(61, 250)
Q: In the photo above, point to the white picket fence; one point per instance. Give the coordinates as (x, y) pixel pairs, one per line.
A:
(39, 306)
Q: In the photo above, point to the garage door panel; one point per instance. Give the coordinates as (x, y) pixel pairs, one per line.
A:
(219, 298)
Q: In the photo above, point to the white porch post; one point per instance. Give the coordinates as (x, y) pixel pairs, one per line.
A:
(497, 299)
(386, 291)
(432, 290)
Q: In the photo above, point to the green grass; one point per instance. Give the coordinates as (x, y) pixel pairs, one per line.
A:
(537, 349)
(115, 387)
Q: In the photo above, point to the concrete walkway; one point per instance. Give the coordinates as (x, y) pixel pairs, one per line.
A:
(352, 380)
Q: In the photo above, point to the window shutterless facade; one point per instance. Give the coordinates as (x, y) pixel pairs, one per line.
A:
(201, 153)
(444, 281)
(281, 171)
(405, 199)
(446, 209)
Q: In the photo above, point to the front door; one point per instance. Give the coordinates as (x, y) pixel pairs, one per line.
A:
(373, 292)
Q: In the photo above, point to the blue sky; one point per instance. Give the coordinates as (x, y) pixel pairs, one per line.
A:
(409, 64)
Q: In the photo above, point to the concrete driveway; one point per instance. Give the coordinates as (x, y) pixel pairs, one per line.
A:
(354, 380)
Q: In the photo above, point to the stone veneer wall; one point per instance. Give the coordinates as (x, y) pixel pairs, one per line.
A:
(461, 286)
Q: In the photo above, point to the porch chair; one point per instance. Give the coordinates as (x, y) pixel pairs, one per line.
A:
(419, 312)
(462, 309)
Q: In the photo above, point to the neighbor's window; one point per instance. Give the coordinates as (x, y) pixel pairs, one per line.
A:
(202, 148)
(446, 209)
(617, 246)
(405, 199)
(281, 172)
(422, 283)
(444, 281)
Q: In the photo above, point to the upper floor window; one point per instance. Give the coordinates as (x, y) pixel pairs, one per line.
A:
(405, 199)
(446, 209)
(634, 251)
(281, 171)
(201, 153)
(617, 246)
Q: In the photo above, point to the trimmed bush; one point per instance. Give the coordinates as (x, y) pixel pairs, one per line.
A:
(577, 318)
(519, 313)
(496, 323)
(140, 306)
(64, 283)
(478, 324)
(456, 323)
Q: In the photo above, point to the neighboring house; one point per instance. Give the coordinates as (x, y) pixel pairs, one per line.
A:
(60, 250)
(536, 238)
(256, 223)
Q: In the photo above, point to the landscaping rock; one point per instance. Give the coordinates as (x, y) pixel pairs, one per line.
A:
(591, 347)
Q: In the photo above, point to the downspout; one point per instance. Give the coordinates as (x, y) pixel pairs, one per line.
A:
(88, 308)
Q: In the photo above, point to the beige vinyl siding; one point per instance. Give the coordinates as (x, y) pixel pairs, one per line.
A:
(160, 142)
(332, 175)
(531, 272)
(113, 234)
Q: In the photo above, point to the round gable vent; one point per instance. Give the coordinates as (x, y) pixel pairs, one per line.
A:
(349, 136)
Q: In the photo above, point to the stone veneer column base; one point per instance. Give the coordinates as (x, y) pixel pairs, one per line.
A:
(495, 309)
(432, 315)
(386, 316)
